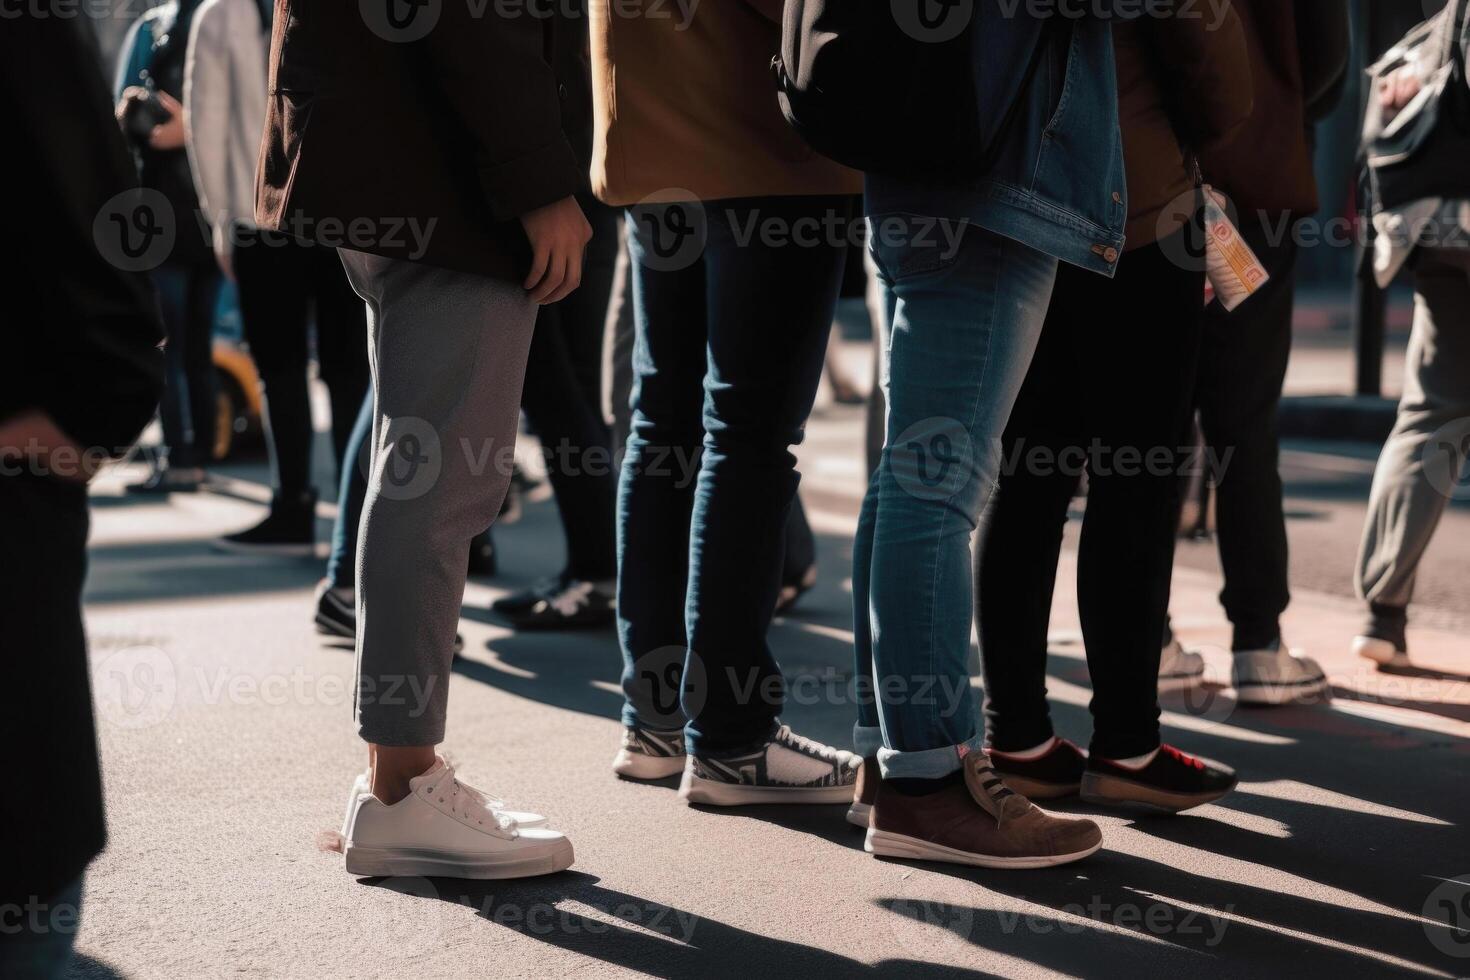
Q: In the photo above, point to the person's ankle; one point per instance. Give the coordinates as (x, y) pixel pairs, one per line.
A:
(393, 767)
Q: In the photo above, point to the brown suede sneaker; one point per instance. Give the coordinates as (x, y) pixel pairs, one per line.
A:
(864, 793)
(978, 822)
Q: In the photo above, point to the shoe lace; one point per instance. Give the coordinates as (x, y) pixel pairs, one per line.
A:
(990, 791)
(466, 801)
(800, 743)
(1183, 758)
(570, 599)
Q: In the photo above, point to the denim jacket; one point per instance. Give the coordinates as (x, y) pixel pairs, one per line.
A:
(1057, 181)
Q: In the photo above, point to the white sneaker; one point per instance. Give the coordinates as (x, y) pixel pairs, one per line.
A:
(444, 827)
(1275, 676)
(788, 769)
(1380, 651)
(650, 754)
(362, 786)
(1179, 668)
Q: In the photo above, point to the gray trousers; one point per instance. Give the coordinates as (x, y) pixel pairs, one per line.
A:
(448, 356)
(1421, 464)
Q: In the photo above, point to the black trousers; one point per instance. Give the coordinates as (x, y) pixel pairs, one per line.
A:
(562, 400)
(52, 810)
(1110, 391)
(1242, 368)
(187, 294)
(281, 283)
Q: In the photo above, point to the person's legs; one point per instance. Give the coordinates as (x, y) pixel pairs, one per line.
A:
(448, 355)
(1422, 460)
(617, 369)
(1020, 537)
(656, 488)
(275, 301)
(186, 301)
(770, 309)
(341, 346)
(1138, 403)
(336, 600)
(1243, 361)
(964, 329)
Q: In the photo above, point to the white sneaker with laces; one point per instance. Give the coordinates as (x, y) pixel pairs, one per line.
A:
(1179, 668)
(787, 769)
(445, 827)
(1276, 676)
(363, 786)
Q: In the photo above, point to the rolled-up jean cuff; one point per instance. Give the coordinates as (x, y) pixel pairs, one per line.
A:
(926, 764)
(867, 740)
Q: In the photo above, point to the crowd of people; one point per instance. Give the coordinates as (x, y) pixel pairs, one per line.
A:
(614, 233)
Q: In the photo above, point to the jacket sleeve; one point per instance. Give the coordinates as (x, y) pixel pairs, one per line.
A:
(1206, 67)
(1324, 43)
(207, 115)
(495, 73)
(89, 339)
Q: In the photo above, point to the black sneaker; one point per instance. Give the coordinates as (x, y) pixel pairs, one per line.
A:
(289, 529)
(336, 610)
(571, 605)
(1052, 776)
(336, 614)
(1171, 781)
(520, 602)
(791, 592)
(169, 479)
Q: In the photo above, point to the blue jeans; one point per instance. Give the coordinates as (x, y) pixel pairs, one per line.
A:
(728, 353)
(966, 314)
(351, 492)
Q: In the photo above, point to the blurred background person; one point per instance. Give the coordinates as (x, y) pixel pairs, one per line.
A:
(1126, 409)
(1298, 64)
(1421, 463)
(285, 285)
(87, 380)
(150, 92)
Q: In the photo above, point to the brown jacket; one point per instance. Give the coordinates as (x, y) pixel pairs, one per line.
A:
(1299, 56)
(1183, 85)
(423, 139)
(689, 110)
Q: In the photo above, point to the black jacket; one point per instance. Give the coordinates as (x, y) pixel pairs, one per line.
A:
(78, 339)
(423, 136)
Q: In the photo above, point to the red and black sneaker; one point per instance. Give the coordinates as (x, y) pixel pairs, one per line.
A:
(1172, 781)
(1052, 776)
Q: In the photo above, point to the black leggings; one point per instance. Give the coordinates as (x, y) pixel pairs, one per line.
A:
(281, 282)
(1111, 387)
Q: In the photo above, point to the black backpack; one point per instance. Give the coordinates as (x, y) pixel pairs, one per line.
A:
(886, 86)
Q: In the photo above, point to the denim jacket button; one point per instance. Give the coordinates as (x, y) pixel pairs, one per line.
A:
(1110, 255)
(1117, 198)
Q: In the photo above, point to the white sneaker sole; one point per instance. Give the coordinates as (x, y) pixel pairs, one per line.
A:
(857, 814)
(1379, 651)
(636, 765)
(694, 789)
(1178, 682)
(884, 843)
(395, 862)
(1271, 694)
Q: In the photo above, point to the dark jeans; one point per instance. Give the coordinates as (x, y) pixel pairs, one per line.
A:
(282, 282)
(729, 352)
(1111, 385)
(351, 491)
(186, 298)
(562, 400)
(1242, 368)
